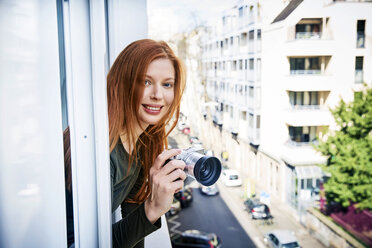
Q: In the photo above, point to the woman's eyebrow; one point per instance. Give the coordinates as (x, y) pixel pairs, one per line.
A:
(170, 78)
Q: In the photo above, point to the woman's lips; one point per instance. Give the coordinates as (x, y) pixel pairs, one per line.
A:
(152, 109)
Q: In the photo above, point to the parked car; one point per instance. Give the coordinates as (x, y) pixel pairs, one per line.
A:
(194, 139)
(184, 196)
(209, 190)
(257, 209)
(231, 178)
(282, 239)
(181, 126)
(186, 131)
(175, 207)
(196, 238)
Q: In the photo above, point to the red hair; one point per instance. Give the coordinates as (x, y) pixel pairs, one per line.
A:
(125, 82)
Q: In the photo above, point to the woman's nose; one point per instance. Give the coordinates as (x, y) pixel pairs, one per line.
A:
(156, 92)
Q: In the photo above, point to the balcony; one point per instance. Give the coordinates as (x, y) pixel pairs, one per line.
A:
(308, 72)
(309, 47)
(308, 115)
(309, 82)
(301, 153)
(308, 35)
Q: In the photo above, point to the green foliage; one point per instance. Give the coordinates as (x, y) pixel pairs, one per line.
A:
(349, 152)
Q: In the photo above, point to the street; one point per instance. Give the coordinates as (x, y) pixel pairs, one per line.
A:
(210, 214)
(225, 215)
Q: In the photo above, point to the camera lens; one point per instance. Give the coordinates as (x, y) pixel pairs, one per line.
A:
(207, 170)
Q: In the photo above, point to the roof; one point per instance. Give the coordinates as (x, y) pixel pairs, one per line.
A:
(287, 10)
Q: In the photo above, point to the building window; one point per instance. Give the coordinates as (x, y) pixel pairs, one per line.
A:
(251, 91)
(250, 120)
(302, 134)
(243, 115)
(251, 35)
(308, 31)
(361, 24)
(234, 65)
(300, 100)
(251, 64)
(310, 65)
(243, 39)
(358, 70)
(231, 40)
(258, 121)
(241, 12)
(240, 64)
(258, 34)
(246, 64)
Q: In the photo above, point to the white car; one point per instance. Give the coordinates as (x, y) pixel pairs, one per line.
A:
(209, 190)
(231, 178)
(281, 239)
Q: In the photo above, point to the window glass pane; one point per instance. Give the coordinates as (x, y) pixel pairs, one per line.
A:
(251, 120)
(251, 64)
(251, 35)
(258, 34)
(359, 63)
(361, 25)
(309, 183)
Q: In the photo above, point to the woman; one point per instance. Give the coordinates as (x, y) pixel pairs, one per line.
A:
(144, 89)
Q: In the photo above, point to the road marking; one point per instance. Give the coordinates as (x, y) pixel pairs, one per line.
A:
(175, 223)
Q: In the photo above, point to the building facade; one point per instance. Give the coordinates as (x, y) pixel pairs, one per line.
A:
(273, 71)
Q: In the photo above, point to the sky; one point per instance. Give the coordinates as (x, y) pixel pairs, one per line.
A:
(167, 17)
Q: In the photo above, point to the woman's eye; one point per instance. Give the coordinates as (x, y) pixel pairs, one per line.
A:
(168, 85)
(147, 82)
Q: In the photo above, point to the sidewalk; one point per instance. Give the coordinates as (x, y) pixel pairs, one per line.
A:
(283, 219)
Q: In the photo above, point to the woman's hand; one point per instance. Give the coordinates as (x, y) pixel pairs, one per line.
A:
(165, 182)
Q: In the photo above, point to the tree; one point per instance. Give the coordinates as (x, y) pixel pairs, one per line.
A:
(349, 152)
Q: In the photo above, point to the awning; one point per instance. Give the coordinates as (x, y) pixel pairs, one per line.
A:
(307, 172)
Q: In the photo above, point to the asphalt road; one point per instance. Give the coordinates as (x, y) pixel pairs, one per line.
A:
(209, 214)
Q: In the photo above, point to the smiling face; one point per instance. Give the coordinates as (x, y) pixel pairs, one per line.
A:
(158, 93)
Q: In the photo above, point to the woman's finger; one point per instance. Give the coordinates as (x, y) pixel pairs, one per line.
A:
(176, 175)
(172, 165)
(166, 154)
(177, 185)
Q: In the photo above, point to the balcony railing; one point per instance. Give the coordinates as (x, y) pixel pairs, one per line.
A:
(358, 76)
(300, 143)
(300, 72)
(360, 39)
(307, 107)
(308, 35)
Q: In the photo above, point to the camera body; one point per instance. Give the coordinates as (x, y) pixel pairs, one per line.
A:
(205, 169)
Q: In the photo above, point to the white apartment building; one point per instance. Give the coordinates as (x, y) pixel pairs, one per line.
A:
(275, 69)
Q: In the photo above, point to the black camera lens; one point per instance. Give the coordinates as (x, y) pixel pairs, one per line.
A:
(207, 170)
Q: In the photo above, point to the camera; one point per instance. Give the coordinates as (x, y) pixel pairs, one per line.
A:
(205, 169)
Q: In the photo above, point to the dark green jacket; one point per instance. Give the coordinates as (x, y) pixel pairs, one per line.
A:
(134, 225)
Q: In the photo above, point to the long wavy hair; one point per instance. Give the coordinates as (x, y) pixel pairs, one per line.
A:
(125, 85)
